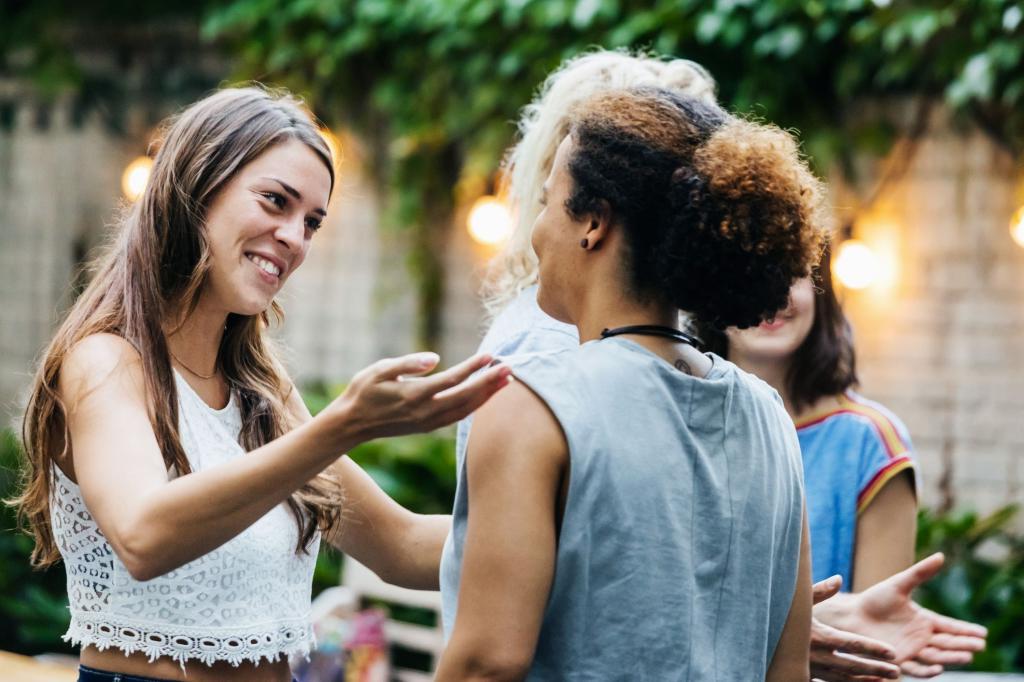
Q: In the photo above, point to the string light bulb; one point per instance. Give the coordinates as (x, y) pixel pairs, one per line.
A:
(490, 222)
(856, 265)
(1017, 227)
(135, 177)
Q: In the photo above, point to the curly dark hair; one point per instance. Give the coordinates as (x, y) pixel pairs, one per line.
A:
(721, 214)
(825, 363)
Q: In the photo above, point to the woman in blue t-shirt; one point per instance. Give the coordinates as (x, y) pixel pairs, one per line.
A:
(858, 469)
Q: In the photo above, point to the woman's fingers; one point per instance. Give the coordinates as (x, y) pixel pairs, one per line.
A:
(427, 387)
(932, 655)
(826, 588)
(943, 640)
(837, 656)
(918, 669)
(838, 667)
(832, 639)
(413, 364)
(909, 579)
(975, 632)
(459, 401)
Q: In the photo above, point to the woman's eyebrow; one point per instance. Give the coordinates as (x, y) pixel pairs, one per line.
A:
(295, 193)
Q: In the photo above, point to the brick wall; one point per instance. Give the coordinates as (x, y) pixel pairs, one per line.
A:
(943, 344)
(59, 183)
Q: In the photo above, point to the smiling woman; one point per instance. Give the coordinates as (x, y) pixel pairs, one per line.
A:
(172, 465)
(261, 226)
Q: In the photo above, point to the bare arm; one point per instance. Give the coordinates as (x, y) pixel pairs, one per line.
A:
(401, 547)
(514, 467)
(886, 532)
(155, 524)
(791, 659)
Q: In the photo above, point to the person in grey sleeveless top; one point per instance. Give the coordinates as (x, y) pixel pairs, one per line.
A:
(632, 508)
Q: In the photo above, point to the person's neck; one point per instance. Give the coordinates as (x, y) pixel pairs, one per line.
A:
(772, 372)
(194, 339)
(611, 309)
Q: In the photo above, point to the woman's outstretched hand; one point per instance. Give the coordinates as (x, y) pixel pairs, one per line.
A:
(393, 397)
(923, 640)
(841, 656)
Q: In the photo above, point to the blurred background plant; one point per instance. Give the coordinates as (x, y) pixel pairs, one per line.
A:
(983, 580)
(33, 604)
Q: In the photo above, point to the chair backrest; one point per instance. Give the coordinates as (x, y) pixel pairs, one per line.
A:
(365, 585)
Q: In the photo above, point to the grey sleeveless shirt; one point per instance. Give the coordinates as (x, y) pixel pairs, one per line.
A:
(678, 551)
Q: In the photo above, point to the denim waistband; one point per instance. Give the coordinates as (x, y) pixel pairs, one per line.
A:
(87, 674)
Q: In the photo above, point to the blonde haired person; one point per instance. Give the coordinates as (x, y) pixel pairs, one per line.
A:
(631, 508)
(543, 123)
(172, 464)
(518, 325)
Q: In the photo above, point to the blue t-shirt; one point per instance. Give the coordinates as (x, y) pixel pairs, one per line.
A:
(850, 452)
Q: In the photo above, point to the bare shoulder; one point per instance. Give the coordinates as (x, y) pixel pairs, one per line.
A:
(517, 419)
(96, 360)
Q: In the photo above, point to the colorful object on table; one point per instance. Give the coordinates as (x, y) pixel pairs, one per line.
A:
(366, 657)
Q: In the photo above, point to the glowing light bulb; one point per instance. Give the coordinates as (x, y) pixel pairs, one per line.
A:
(1017, 226)
(856, 265)
(135, 177)
(490, 222)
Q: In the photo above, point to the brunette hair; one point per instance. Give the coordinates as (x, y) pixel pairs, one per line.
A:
(720, 214)
(157, 265)
(824, 363)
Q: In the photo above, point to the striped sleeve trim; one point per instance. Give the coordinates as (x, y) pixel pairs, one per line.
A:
(880, 479)
(879, 420)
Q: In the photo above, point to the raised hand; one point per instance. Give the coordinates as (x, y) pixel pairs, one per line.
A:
(839, 656)
(923, 640)
(392, 397)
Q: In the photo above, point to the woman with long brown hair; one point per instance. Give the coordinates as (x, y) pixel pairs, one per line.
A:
(172, 464)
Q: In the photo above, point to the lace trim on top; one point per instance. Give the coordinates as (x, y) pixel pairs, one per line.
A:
(194, 644)
(247, 600)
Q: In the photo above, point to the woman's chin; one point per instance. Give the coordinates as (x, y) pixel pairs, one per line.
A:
(250, 307)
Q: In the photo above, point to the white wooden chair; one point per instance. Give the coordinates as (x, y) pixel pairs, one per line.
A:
(365, 585)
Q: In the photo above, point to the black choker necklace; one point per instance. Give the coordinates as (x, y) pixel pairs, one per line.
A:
(652, 330)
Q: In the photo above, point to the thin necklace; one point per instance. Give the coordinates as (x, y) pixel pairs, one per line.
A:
(192, 371)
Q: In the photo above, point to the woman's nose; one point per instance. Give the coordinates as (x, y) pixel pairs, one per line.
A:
(291, 233)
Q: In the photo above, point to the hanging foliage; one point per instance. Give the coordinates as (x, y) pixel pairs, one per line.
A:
(434, 85)
(439, 82)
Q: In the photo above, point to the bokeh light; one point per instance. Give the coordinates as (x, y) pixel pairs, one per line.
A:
(135, 177)
(1017, 226)
(856, 265)
(490, 221)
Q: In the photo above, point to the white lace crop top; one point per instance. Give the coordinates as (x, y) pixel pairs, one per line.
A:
(247, 600)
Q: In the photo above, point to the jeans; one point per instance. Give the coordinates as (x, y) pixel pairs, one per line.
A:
(87, 674)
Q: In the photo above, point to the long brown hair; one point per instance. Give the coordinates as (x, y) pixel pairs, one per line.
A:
(157, 265)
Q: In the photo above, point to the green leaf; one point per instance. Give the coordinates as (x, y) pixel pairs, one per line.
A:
(708, 26)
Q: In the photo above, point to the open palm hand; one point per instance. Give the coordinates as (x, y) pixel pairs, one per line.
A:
(923, 640)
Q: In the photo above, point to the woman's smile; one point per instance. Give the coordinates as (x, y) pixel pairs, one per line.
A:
(269, 270)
